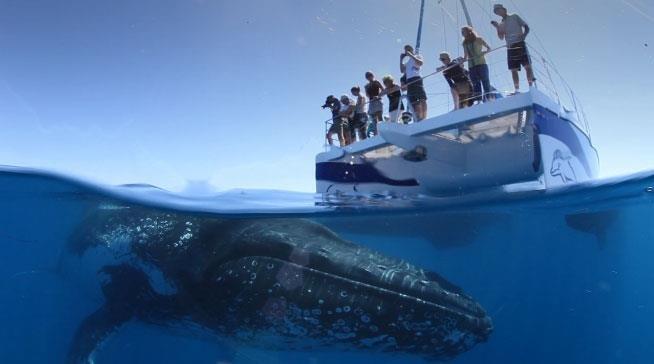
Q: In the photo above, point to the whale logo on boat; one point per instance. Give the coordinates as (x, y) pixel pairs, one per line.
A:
(286, 284)
(562, 167)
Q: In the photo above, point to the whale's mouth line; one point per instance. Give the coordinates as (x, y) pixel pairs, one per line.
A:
(394, 293)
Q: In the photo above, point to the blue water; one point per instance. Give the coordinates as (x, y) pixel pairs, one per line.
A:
(566, 276)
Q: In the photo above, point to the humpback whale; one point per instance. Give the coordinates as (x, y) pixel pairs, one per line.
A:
(275, 283)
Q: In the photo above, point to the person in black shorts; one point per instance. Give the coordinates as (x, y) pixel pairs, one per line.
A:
(338, 124)
(514, 30)
(459, 81)
(394, 94)
(410, 65)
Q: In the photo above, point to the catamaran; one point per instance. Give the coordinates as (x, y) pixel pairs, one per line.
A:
(530, 140)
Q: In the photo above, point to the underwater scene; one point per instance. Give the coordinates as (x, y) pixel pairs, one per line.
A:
(313, 182)
(135, 274)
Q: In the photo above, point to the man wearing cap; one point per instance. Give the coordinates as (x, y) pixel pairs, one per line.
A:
(514, 30)
(339, 125)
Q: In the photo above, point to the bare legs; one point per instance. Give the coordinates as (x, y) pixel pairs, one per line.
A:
(516, 77)
(341, 132)
(530, 75)
(341, 138)
(420, 108)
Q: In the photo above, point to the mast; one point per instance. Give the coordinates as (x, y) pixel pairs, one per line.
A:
(465, 11)
(422, 13)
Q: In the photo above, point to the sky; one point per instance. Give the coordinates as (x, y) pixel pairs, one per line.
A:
(222, 94)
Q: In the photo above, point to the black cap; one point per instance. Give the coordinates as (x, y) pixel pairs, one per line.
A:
(330, 99)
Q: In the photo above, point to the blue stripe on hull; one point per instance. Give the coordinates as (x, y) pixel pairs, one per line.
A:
(340, 172)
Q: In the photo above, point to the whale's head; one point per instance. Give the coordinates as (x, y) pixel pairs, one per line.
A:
(297, 280)
(292, 283)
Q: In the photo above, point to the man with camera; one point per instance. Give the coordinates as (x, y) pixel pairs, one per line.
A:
(410, 65)
(339, 124)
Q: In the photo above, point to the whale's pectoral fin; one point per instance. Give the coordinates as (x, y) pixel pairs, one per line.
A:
(128, 294)
(92, 332)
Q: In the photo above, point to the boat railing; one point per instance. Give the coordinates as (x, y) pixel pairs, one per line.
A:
(548, 81)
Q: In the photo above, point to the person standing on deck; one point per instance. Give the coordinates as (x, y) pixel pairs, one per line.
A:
(339, 125)
(473, 47)
(514, 30)
(415, 88)
(457, 77)
(347, 113)
(376, 106)
(360, 120)
(394, 93)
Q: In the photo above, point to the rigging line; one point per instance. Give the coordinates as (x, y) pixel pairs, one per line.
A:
(422, 15)
(484, 9)
(540, 42)
(443, 12)
(490, 17)
(440, 3)
(549, 57)
(444, 32)
(458, 23)
(573, 98)
(638, 10)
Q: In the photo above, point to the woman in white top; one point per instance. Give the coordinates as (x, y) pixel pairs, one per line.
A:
(415, 89)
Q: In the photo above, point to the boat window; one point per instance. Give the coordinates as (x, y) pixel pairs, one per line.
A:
(513, 123)
(384, 152)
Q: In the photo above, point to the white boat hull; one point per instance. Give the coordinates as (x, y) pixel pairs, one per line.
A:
(522, 139)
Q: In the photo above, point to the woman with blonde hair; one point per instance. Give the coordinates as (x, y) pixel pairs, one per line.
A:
(394, 93)
(473, 47)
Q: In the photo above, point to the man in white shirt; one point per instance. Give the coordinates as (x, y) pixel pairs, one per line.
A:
(514, 30)
(415, 89)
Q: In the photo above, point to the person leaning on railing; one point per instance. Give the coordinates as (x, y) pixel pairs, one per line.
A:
(394, 94)
(458, 79)
(514, 30)
(338, 124)
(473, 47)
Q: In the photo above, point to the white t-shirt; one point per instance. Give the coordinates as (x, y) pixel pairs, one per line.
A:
(345, 107)
(412, 69)
(513, 29)
(361, 105)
